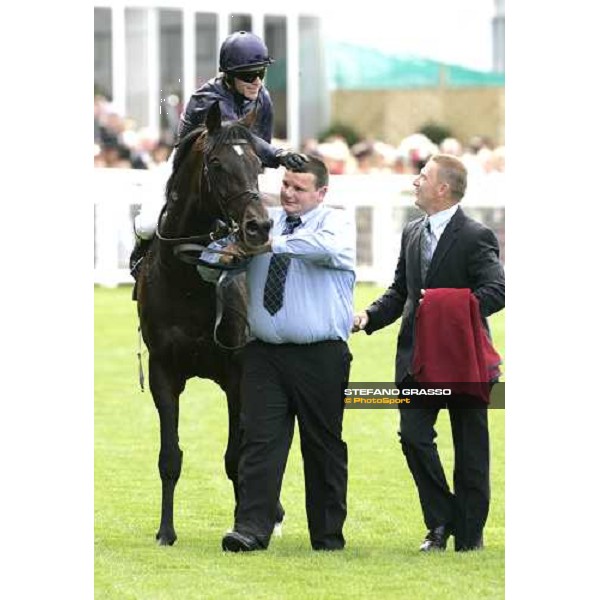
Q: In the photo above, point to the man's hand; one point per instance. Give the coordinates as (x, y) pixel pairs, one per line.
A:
(236, 252)
(360, 321)
(256, 250)
(422, 296)
(291, 160)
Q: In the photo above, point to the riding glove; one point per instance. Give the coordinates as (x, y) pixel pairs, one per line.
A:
(291, 160)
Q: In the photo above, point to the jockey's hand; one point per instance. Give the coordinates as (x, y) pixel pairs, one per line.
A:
(291, 160)
(361, 320)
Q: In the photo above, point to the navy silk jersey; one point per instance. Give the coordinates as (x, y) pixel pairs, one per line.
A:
(233, 106)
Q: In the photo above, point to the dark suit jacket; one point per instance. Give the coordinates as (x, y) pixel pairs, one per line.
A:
(467, 256)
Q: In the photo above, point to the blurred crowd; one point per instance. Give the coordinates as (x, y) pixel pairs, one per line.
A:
(373, 156)
(119, 143)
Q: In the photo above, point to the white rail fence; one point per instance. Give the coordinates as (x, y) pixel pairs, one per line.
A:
(381, 204)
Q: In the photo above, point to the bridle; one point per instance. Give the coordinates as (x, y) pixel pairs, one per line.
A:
(221, 200)
(189, 248)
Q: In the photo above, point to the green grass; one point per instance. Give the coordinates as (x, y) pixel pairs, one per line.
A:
(384, 525)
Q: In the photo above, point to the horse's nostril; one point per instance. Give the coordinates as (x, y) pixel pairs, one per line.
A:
(255, 228)
(252, 226)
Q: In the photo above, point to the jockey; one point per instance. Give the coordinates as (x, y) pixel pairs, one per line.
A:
(239, 89)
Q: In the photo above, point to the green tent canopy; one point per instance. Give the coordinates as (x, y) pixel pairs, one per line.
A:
(352, 67)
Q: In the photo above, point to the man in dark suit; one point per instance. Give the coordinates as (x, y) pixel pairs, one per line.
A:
(444, 249)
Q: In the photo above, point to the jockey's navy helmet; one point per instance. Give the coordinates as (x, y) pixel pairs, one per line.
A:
(242, 51)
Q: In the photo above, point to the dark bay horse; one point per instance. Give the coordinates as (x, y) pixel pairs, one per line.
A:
(215, 176)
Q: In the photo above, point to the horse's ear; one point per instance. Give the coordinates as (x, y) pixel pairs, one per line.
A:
(213, 119)
(249, 119)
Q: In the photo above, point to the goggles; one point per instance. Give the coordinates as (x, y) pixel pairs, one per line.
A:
(250, 76)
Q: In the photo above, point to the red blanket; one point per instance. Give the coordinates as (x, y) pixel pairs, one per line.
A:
(451, 345)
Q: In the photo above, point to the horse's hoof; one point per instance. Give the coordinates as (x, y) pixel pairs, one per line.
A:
(165, 539)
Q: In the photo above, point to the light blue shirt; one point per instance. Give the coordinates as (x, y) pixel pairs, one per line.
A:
(438, 223)
(318, 296)
(319, 287)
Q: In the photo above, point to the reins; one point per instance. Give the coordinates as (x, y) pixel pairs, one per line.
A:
(219, 314)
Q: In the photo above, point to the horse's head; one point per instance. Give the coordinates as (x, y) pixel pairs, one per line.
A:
(231, 168)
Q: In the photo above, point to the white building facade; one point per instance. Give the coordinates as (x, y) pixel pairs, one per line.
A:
(150, 56)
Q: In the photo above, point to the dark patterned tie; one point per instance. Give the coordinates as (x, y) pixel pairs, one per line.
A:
(426, 246)
(278, 268)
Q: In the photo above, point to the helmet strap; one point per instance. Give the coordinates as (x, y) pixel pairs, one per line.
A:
(230, 84)
(229, 77)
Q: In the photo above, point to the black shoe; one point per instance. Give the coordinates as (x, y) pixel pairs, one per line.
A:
(323, 548)
(436, 539)
(234, 541)
(328, 542)
(469, 548)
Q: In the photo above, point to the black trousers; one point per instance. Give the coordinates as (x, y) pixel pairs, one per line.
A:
(465, 510)
(279, 383)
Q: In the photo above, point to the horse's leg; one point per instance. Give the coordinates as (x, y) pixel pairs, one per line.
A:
(166, 388)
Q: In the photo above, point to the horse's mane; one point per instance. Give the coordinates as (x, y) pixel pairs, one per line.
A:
(180, 153)
(228, 133)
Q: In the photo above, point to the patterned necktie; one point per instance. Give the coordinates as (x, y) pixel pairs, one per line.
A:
(278, 269)
(426, 247)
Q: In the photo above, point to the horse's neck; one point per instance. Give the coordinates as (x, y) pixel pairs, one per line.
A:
(187, 212)
(184, 219)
